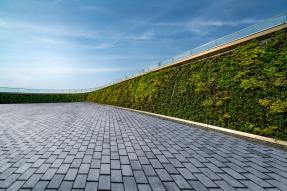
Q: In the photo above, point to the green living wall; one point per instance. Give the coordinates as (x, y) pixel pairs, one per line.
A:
(40, 98)
(245, 89)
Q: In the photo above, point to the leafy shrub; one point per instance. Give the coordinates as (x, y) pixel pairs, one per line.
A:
(40, 98)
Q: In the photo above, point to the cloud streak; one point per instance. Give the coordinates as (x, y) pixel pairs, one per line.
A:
(199, 25)
(145, 36)
(54, 30)
(97, 9)
(60, 70)
(63, 34)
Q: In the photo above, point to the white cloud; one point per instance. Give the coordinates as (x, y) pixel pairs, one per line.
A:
(249, 21)
(48, 40)
(56, 76)
(3, 24)
(97, 9)
(105, 45)
(45, 34)
(69, 44)
(46, 29)
(218, 23)
(145, 36)
(201, 25)
(56, 70)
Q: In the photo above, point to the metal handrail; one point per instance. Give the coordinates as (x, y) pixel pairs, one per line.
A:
(251, 30)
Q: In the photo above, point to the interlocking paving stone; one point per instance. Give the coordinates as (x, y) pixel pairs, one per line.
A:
(252, 186)
(163, 175)
(26, 175)
(86, 146)
(16, 185)
(197, 185)
(80, 181)
(71, 174)
(140, 177)
(8, 181)
(171, 186)
(105, 169)
(84, 169)
(41, 185)
(117, 187)
(130, 184)
(95, 163)
(144, 187)
(66, 185)
(32, 181)
(181, 182)
(127, 170)
(56, 181)
(94, 175)
(63, 169)
(104, 182)
(49, 174)
(156, 183)
(116, 176)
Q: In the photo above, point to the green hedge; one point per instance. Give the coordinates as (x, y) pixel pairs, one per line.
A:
(245, 89)
(40, 98)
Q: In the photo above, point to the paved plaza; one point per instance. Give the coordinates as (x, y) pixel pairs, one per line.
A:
(86, 146)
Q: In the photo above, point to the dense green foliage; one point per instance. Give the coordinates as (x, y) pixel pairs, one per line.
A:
(40, 98)
(245, 89)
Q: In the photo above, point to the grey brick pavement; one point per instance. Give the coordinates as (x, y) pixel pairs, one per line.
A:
(85, 146)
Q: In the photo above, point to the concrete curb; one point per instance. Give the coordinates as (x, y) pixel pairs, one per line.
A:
(234, 133)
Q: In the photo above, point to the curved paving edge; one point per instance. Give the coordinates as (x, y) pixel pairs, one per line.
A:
(86, 146)
(252, 137)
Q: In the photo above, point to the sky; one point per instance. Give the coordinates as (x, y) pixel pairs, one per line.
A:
(78, 44)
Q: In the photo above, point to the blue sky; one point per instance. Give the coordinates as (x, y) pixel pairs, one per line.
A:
(88, 43)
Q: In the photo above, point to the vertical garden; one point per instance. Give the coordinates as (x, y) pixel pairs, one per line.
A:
(245, 89)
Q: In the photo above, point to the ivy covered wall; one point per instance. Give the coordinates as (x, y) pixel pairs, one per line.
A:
(245, 89)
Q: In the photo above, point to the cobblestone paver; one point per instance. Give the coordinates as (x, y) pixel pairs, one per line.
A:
(85, 146)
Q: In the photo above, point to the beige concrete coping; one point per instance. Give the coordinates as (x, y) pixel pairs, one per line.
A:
(239, 134)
